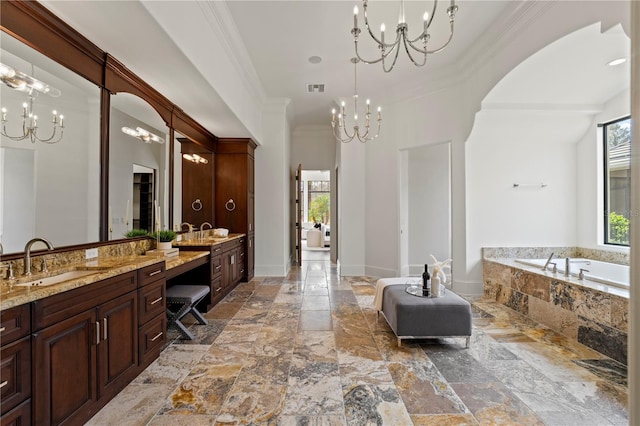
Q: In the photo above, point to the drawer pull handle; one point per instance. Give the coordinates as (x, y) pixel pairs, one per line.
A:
(3, 384)
(157, 337)
(104, 321)
(218, 267)
(156, 301)
(97, 332)
(155, 272)
(218, 289)
(2, 329)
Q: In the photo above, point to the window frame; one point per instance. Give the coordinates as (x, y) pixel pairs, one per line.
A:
(606, 182)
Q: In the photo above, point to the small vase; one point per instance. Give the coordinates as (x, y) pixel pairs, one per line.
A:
(164, 245)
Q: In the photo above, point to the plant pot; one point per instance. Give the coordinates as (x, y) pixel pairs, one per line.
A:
(162, 245)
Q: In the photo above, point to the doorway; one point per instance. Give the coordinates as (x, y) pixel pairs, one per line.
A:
(315, 214)
(143, 197)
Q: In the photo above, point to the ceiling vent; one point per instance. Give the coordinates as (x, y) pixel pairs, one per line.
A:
(315, 88)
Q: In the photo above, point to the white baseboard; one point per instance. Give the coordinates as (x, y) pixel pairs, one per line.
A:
(352, 270)
(271, 270)
(374, 271)
(468, 288)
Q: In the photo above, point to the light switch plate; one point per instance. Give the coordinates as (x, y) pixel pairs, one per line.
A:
(91, 253)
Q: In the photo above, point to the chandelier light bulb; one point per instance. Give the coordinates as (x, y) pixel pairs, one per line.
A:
(368, 101)
(333, 110)
(342, 104)
(379, 109)
(355, 117)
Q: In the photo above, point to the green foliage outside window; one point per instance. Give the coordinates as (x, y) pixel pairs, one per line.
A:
(618, 229)
(319, 209)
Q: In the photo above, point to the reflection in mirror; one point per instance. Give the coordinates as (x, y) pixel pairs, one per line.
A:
(49, 182)
(138, 167)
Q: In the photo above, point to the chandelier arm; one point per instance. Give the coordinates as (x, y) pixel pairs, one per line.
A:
(13, 138)
(384, 53)
(395, 58)
(445, 44)
(339, 138)
(424, 53)
(53, 134)
(366, 24)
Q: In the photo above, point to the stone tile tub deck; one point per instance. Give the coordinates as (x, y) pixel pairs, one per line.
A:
(592, 314)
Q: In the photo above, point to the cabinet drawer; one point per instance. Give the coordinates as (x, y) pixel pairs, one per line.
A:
(15, 323)
(230, 245)
(216, 250)
(15, 373)
(19, 416)
(56, 308)
(152, 337)
(216, 266)
(150, 274)
(151, 301)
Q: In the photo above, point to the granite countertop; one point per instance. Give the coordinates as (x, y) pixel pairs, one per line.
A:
(207, 241)
(594, 285)
(12, 295)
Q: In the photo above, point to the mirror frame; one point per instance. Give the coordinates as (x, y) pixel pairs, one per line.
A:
(37, 27)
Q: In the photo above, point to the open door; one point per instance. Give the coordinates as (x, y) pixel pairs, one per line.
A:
(299, 208)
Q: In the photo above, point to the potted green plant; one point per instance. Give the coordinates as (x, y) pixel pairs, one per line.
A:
(136, 233)
(164, 238)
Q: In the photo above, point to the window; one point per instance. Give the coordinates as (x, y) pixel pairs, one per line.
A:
(318, 201)
(617, 179)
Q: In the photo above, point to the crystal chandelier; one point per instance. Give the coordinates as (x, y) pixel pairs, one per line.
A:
(417, 45)
(339, 129)
(142, 134)
(20, 81)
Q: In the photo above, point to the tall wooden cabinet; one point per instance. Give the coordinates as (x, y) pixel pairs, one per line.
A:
(197, 185)
(234, 194)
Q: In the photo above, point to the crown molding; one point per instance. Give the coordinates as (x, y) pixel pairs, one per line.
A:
(222, 24)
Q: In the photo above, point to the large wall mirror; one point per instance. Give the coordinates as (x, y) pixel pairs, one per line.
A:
(138, 167)
(48, 190)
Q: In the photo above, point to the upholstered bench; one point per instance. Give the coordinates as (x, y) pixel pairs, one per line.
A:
(181, 300)
(413, 317)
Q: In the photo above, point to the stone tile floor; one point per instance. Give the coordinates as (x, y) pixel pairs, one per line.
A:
(308, 349)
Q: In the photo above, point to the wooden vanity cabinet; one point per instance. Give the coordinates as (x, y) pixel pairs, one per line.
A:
(152, 318)
(234, 179)
(85, 348)
(15, 366)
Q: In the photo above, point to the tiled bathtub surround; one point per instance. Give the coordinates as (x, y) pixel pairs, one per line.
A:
(595, 318)
(544, 252)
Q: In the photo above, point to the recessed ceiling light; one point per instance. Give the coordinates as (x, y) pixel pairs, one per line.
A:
(315, 59)
(617, 61)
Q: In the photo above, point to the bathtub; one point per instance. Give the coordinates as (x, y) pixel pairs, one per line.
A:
(603, 272)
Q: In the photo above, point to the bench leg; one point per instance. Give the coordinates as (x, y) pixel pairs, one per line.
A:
(468, 342)
(202, 320)
(174, 320)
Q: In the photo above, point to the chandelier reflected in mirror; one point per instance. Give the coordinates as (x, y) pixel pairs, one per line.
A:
(33, 87)
(417, 46)
(339, 127)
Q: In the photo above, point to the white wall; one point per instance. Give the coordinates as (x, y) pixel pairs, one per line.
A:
(590, 197)
(429, 205)
(272, 192)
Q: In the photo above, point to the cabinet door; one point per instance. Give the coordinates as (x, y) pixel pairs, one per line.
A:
(64, 370)
(118, 347)
(15, 373)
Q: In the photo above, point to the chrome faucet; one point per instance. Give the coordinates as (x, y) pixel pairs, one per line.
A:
(9, 267)
(544, 268)
(188, 224)
(27, 253)
(206, 223)
(568, 262)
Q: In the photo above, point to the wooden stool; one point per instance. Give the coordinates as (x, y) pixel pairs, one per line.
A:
(185, 298)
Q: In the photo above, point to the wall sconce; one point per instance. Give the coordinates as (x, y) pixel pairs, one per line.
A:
(142, 134)
(195, 158)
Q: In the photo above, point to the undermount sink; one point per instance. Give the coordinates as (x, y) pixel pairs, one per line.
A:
(56, 279)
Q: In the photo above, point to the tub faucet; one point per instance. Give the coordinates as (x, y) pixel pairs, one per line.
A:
(544, 268)
(568, 262)
(27, 253)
